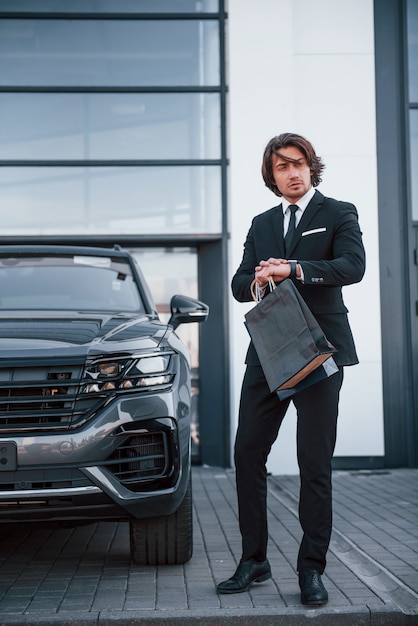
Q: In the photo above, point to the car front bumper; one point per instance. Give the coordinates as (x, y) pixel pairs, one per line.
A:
(131, 459)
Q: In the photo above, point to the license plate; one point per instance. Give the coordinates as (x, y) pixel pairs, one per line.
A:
(8, 456)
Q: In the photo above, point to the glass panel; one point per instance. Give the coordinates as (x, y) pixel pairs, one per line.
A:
(110, 6)
(109, 126)
(169, 271)
(109, 52)
(413, 49)
(413, 125)
(116, 200)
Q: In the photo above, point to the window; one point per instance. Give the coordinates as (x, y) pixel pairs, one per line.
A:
(110, 6)
(110, 200)
(61, 52)
(111, 126)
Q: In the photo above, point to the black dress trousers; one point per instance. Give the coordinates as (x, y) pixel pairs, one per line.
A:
(260, 416)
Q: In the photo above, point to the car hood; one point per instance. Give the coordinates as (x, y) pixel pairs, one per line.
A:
(77, 333)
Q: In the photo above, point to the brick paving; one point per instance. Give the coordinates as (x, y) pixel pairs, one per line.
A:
(84, 575)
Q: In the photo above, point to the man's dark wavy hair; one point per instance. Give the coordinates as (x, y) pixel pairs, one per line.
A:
(283, 141)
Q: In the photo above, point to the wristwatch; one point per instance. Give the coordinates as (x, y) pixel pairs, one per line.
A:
(293, 265)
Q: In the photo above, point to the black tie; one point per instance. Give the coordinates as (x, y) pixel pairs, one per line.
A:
(291, 230)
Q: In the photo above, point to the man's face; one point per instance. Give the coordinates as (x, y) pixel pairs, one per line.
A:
(293, 179)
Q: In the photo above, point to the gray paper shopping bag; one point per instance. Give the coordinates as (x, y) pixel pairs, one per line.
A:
(288, 340)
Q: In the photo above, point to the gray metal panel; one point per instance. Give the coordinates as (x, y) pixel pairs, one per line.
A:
(393, 233)
(214, 412)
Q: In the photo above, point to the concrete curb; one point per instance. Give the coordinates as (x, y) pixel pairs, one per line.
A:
(327, 616)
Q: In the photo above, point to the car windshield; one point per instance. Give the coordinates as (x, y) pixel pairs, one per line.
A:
(73, 282)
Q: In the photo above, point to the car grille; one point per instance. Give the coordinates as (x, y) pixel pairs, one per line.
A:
(43, 396)
(140, 457)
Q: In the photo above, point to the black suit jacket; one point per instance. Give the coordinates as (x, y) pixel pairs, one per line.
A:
(328, 245)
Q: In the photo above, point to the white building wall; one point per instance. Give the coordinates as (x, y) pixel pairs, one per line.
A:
(308, 67)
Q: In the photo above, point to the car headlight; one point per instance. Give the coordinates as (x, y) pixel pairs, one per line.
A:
(125, 374)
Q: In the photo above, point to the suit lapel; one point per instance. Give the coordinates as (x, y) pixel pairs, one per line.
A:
(277, 230)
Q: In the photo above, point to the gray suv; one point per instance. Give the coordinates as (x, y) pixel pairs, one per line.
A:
(95, 398)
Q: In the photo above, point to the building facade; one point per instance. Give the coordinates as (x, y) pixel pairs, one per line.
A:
(143, 122)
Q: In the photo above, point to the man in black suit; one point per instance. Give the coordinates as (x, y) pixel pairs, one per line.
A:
(316, 242)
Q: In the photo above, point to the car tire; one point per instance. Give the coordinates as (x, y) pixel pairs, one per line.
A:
(164, 540)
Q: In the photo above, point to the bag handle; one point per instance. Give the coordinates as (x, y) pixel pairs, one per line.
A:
(255, 289)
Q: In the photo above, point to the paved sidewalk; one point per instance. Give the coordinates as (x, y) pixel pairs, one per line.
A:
(83, 576)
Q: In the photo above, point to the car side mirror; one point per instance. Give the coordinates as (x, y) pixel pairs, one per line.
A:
(185, 310)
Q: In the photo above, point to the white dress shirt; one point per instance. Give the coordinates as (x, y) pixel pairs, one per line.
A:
(302, 204)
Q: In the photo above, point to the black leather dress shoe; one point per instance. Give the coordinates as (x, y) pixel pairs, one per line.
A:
(313, 592)
(248, 572)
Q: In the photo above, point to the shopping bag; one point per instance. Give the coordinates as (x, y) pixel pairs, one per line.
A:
(327, 369)
(288, 340)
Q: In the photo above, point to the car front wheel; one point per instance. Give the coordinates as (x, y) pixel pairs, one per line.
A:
(164, 540)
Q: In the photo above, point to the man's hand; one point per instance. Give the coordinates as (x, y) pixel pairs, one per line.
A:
(278, 269)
